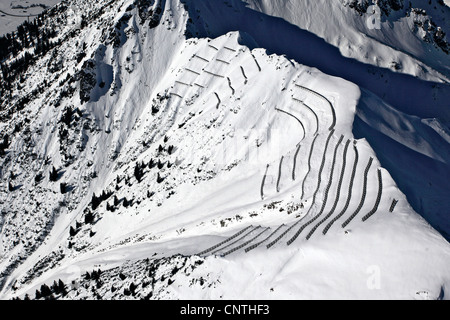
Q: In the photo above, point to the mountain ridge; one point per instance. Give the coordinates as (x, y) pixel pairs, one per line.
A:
(166, 144)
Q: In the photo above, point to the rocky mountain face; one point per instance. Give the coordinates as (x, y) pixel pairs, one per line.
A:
(424, 25)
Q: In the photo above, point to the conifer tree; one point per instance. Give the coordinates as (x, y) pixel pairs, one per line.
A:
(53, 175)
(138, 172)
(72, 232)
(45, 291)
(38, 178)
(63, 187)
(61, 287)
(55, 287)
(151, 164)
(95, 202)
(89, 217)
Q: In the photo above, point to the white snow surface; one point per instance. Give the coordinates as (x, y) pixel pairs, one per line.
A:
(242, 118)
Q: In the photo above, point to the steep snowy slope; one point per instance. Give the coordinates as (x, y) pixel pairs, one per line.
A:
(396, 34)
(181, 164)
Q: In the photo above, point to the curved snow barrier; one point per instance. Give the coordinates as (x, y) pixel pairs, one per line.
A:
(192, 71)
(245, 243)
(283, 234)
(196, 56)
(199, 85)
(320, 172)
(225, 47)
(322, 164)
(229, 84)
(377, 202)
(219, 101)
(211, 46)
(310, 109)
(299, 121)
(295, 161)
(363, 198)
(325, 197)
(183, 83)
(234, 242)
(176, 94)
(225, 241)
(349, 196)
(263, 182)
(333, 112)
(223, 61)
(253, 246)
(256, 61)
(243, 73)
(279, 174)
(213, 74)
(309, 165)
(338, 192)
(394, 203)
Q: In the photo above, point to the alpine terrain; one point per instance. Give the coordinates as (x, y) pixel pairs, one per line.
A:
(226, 149)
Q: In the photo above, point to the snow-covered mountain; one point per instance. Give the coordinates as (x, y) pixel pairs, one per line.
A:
(254, 149)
